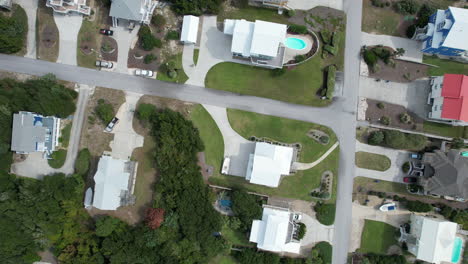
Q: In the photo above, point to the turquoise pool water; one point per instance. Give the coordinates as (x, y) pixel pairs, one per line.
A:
(295, 43)
(458, 243)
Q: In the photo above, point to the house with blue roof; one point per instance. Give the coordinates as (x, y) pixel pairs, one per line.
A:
(446, 34)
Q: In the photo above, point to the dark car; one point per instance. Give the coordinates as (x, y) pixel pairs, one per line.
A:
(112, 123)
(106, 32)
(410, 179)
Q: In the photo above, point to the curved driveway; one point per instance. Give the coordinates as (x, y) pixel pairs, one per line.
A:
(340, 116)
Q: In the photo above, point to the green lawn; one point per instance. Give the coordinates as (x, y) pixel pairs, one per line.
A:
(445, 66)
(372, 161)
(377, 237)
(380, 186)
(249, 124)
(181, 76)
(380, 20)
(58, 158)
(65, 135)
(326, 251)
(211, 137)
(253, 13)
(445, 130)
(235, 237)
(196, 53)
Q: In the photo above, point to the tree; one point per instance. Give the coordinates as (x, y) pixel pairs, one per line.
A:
(196, 7)
(105, 111)
(399, 52)
(107, 225)
(154, 217)
(147, 40)
(376, 138)
(246, 207)
(462, 218)
(458, 143)
(158, 20)
(13, 30)
(302, 231)
(82, 162)
(145, 111)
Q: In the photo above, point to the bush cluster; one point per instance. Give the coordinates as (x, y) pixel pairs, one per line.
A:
(302, 231)
(246, 207)
(173, 35)
(385, 120)
(196, 7)
(397, 140)
(406, 7)
(147, 40)
(149, 58)
(158, 20)
(105, 111)
(298, 29)
(325, 212)
(331, 75)
(13, 31)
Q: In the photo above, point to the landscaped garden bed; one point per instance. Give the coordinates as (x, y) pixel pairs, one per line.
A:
(401, 71)
(387, 114)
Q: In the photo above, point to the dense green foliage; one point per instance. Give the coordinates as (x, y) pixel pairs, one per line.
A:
(82, 162)
(302, 231)
(459, 216)
(323, 251)
(13, 30)
(147, 40)
(158, 20)
(406, 7)
(384, 259)
(57, 158)
(196, 7)
(399, 140)
(298, 29)
(424, 14)
(149, 58)
(105, 111)
(458, 143)
(416, 206)
(376, 138)
(173, 35)
(331, 74)
(43, 95)
(325, 213)
(252, 256)
(246, 207)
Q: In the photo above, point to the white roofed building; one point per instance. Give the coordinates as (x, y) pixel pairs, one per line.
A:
(275, 231)
(431, 240)
(268, 163)
(260, 41)
(113, 183)
(189, 30)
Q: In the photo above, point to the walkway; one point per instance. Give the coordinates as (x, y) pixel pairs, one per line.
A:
(397, 158)
(30, 6)
(68, 27)
(412, 47)
(308, 4)
(236, 147)
(125, 138)
(125, 40)
(35, 166)
(306, 166)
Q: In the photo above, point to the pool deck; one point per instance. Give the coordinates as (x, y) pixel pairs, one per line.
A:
(291, 53)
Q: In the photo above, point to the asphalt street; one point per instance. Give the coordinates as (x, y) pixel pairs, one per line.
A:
(340, 115)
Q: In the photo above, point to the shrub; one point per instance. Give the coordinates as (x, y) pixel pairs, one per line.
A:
(290, 12)
(106, 47)
(385, 120)
(380, 105)
(154, 217)
(458, 143)
(173, 35)
(330, 49)
(158, 20)
(82, 162)
(370, 58)
(326, 36)
(376, 138)
(398, 140)
(246, 207)
(331, 74)
(335, 39)
(324, 139)
(145, 111)
(299, 58)
(405, 118)
(149, 58)
(302, 231)
(104, 111)
(13, 31)
(406, 167)
(417, 206)
(298, 29)
(410, 31)
(383, 53)
(325, 213)
(406, 7)
(147, 40)
(278, 72)
(424, 14)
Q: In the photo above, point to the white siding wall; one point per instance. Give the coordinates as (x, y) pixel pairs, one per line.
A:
(436, 97)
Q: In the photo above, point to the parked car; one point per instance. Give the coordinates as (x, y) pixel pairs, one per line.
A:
(106, 32)
(112, 124)
(388, 207)
(104, 64)
(297, 217)
(410, 179)
(415, 156)
(144, 73)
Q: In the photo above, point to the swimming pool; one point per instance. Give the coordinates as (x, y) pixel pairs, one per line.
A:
(458, 243)
(295, 43)
(225, 203)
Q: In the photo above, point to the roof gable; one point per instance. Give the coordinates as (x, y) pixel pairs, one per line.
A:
(126, 9)
(455, 93)
(267, 37)
(458, 34)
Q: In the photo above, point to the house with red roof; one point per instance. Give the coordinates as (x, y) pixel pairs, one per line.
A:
(449, 99)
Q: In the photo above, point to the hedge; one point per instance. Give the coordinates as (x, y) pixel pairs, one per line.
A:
(331, 73)
(335, 39)
(326, 36)
(331, 49)
(299, 29)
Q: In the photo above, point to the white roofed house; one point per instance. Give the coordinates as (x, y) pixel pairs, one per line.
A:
(268, 163)
(259, 41)
(189, 30)
(129, 12)
(114, 183)
(275, 231)
(67, 6)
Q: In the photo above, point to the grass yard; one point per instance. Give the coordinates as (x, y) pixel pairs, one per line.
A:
(47, 34)
(445, 130)
(88, 34)
(326, 251)
(58, 158)
(249, 124)
(253, 13)
(298, 85)
(445, 66)
(380, 20)
(380, 186)
(65, 135)
(211, 136)
(377, 237)
(372, 161)
(196, 53)
(181, 76)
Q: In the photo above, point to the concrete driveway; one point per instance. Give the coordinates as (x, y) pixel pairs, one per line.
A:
(394, 173)
(126, 40)
(236, 147)
(412, 95)
(35, 166)
(308, 4)
(187, 60)
(125, 138)
(68, 27)
(361, 213)
(30, 6)
(412, 47)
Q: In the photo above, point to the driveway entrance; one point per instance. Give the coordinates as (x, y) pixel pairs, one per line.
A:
(68, 27)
